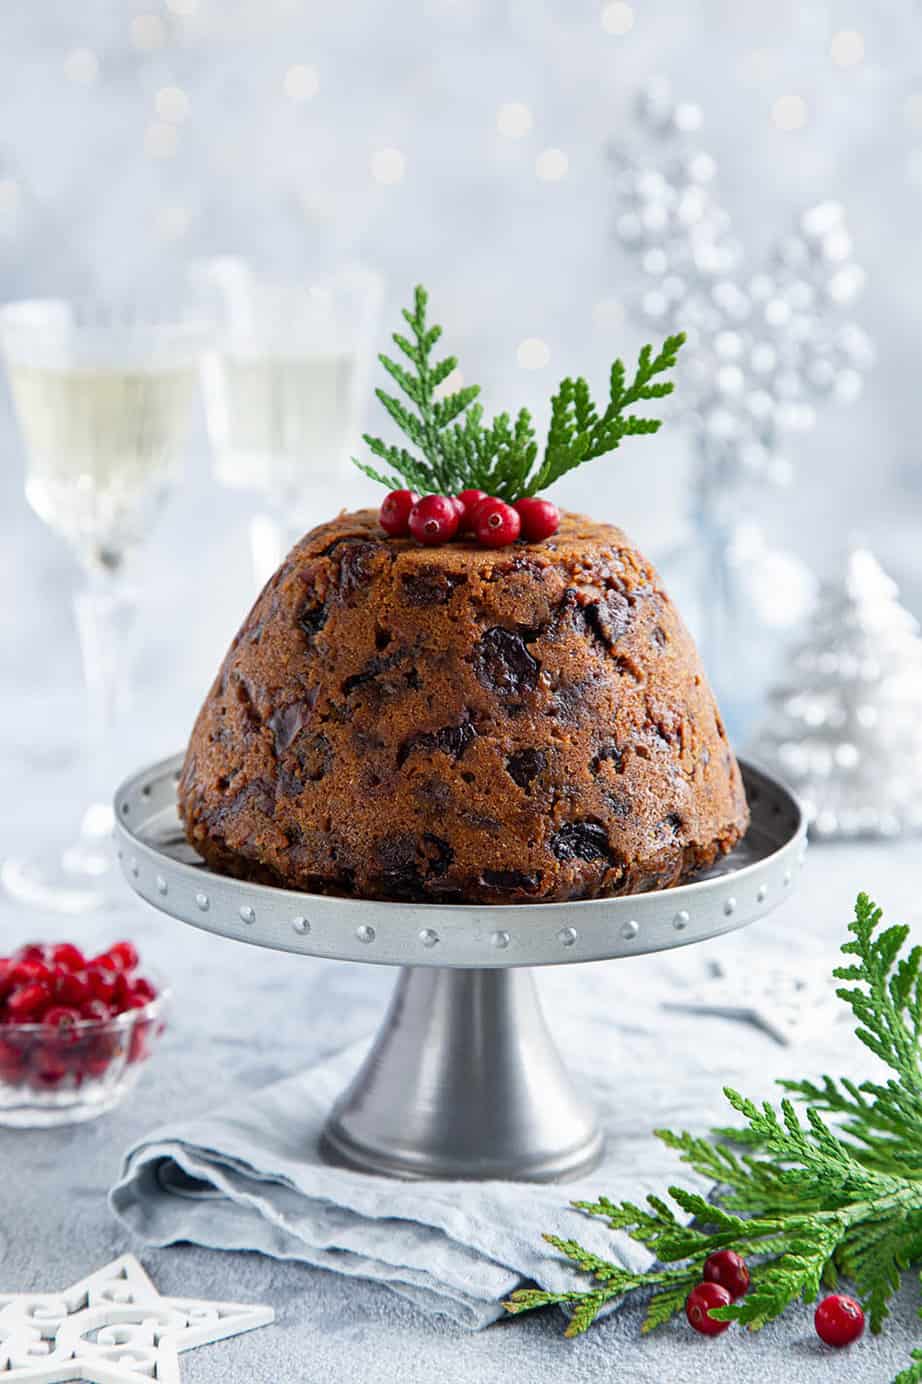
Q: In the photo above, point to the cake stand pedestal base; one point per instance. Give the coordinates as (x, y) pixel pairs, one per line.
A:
(464, 1081)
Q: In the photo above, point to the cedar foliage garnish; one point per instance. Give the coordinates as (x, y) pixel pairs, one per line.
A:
(456, 450)
(807, 1202)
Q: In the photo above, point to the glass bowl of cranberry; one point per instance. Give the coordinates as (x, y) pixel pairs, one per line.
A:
(75, 1031)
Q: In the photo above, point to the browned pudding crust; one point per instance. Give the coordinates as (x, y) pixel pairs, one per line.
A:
(505, 726)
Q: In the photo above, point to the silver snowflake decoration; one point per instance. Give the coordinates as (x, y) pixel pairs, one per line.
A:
(845, 727)
(765, 347)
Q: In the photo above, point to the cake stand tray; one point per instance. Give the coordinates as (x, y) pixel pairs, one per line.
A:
(463, 1079)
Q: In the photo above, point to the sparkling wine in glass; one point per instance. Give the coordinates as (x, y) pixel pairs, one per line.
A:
(282, 385)
(103, 396)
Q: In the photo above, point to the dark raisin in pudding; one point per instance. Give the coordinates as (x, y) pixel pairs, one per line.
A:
(518, 725)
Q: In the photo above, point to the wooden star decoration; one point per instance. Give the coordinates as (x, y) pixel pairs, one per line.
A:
(111, 1328)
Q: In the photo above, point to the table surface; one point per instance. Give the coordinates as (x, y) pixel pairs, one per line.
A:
(239, 1022)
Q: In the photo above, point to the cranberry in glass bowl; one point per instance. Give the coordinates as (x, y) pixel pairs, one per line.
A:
(75, 1031)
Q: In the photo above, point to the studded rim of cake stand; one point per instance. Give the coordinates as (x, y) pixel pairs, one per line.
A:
(742, 887)
(428, 1102)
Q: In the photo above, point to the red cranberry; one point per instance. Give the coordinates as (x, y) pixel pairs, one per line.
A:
(121, 992)
(12, 1061)
(7, 966)
(729, 1269)
(97, 1063)
(143, 988)
(125, 955)
(134, 1001)
(49, 1068)
(105, 960)
(95, 1010)
(141, 1031)
(139, 1044)
(469, 500)
(66, 957)
(540, 519)
(72, 988)
(839, 1320)
(60, 1016)
(496, 524)
(101, 982)
(698, 1304)
(74, 1053)
(27, 972)
(30, 951)
(394, 514)
(27, 1003)
(434, 519)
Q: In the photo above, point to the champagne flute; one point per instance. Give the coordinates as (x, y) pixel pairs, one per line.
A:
(282, 386)
(103, 395)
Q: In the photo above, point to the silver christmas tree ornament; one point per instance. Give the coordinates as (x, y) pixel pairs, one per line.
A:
(845, 727)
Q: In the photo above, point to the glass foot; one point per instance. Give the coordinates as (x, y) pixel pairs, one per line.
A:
(78, 877)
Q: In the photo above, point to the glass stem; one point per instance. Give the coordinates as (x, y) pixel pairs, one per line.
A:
(267, 547)
(106, 612)
(272, 536)
(719, 504)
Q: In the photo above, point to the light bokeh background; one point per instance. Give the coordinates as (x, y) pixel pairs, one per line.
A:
(137, 135)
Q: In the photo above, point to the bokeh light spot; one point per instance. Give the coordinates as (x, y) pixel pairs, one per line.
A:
(301, 82)
(617, 18)
(533, 353)
(388, 166)
(551, 165)
(514, 119)
(790, 112)
(847, 48)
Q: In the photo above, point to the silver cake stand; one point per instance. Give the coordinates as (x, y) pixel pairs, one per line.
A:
(463, 1079)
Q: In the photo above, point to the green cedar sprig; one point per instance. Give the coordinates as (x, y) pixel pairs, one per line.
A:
(456, 450)
(807, 1203)
(913, 1373)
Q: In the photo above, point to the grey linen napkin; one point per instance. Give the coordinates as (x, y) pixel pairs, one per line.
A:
(248, 1176)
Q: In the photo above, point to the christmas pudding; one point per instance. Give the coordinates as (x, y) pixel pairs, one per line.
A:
(473, 699)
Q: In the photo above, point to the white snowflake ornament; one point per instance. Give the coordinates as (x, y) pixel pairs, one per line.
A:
(111, 1328)
(791, 1005)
